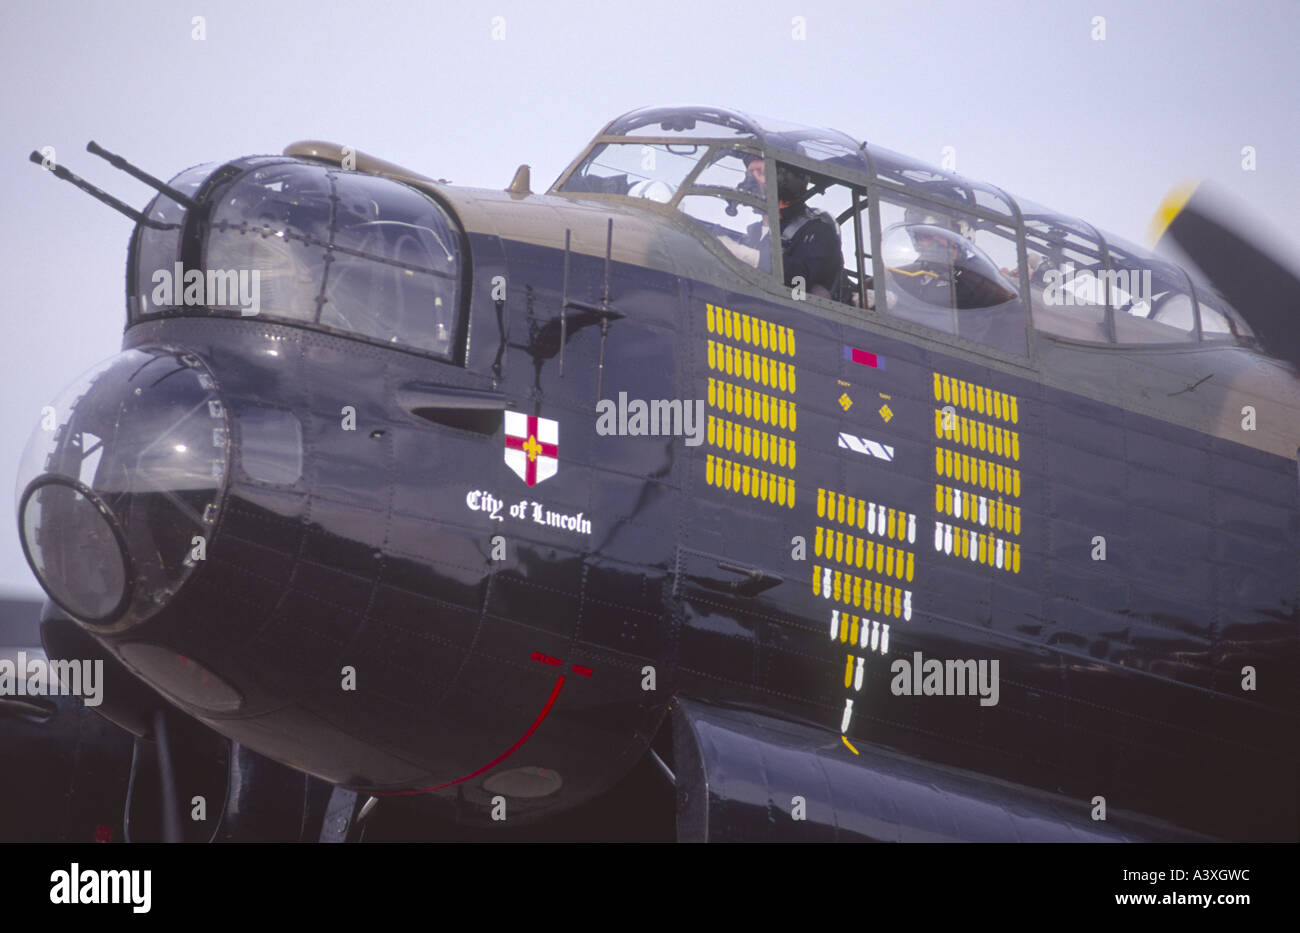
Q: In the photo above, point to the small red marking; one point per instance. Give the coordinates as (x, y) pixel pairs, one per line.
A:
(865, 358)
(494, 762)
(582, 669)
(103, 833)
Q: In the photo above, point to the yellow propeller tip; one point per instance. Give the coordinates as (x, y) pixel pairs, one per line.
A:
(1169, 208)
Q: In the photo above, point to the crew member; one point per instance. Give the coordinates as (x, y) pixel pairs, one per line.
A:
(945, 272)
(810, 239)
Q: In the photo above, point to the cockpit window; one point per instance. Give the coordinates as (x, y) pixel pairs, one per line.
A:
(826, 150)
(1066, 261)
(342, 251)
(1219, 320)
(953, 272)
(389, 250)
(904, 172)
(273, 222)
(1151, 298)
(640, 170)
(724, 197)
(155, 249)
(696, 123)
(901, 171)
(1074, 272)
(739, 227)
(943, 269)
(728, 199)
(727, 169)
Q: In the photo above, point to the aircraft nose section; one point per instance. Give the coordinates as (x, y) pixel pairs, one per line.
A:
(120, 485)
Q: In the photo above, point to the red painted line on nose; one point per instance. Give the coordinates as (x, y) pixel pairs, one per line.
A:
(550, 701)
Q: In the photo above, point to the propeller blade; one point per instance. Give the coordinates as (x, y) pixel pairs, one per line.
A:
(1259, 286)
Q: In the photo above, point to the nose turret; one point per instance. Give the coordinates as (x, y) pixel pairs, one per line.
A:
(120, 485)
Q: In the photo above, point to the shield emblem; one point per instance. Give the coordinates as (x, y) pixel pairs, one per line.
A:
(532, 447)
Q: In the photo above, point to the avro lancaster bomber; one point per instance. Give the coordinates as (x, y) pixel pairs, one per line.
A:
(474, 501)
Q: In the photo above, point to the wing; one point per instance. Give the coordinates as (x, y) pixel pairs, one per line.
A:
(742, 776)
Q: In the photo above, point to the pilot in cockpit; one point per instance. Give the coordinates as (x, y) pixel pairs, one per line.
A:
(944, 268)
(810, 239)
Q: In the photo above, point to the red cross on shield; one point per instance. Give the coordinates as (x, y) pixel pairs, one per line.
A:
(532, 447)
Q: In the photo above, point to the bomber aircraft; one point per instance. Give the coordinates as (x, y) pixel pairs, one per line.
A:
(473, 502)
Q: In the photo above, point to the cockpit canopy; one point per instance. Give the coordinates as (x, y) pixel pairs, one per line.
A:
(940, 267)
(1006, 261)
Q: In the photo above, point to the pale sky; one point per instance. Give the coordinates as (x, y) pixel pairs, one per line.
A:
(1028, 99)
